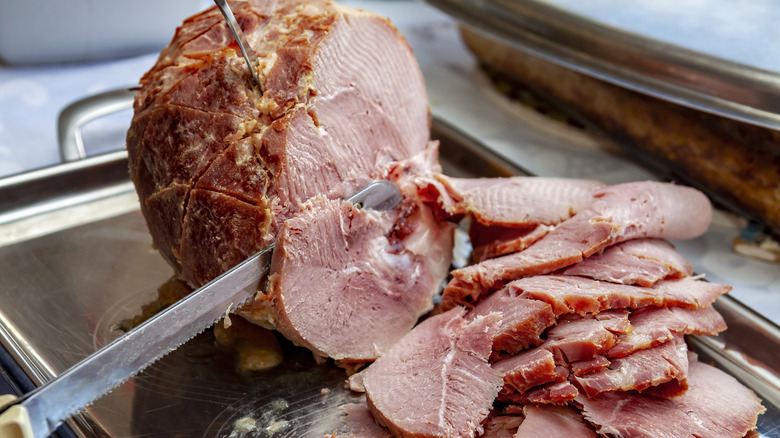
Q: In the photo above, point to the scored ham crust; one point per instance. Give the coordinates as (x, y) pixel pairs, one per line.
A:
(218, 167)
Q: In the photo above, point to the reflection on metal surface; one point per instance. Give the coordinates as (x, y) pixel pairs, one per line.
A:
(64, 292)
(627, 59)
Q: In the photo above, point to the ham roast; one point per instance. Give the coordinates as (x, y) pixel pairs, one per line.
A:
(218, 166)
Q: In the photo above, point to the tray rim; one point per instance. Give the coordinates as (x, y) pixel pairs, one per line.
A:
(666, 71)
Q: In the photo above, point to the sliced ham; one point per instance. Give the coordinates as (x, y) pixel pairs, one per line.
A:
(509, 214)
(496, 240)
(583, 367)
(436, 381)
(641, 370)
(522, 321)
(575, 338)
(501, 426)
(358, 423)
(642, 262)
(656, 325)
(526, 370)
(570, 294)
(715, 406)
(555, 393)
(578, 338)
(520, 201)
(619, 213)
(553, 422)
(218, 166)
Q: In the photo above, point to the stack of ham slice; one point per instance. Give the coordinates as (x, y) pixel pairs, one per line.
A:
(587, 326)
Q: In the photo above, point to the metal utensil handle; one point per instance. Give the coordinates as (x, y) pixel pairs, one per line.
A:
(249, 55)
(74, 116)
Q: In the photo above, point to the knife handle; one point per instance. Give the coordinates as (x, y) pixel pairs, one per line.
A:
(14, 421)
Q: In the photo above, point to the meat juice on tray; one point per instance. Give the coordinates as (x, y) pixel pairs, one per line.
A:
(574, 302)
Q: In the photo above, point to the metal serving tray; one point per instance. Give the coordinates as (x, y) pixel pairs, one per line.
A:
(718, 56)
(76, 259)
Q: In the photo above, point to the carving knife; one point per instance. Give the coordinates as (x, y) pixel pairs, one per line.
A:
(38, 413)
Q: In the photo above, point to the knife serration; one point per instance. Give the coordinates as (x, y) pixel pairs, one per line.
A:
(79, 386)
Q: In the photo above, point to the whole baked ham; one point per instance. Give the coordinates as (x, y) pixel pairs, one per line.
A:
(218, 166)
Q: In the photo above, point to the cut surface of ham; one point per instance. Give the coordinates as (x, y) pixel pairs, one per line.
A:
(336, 288)
(641, 370)
(526, 370)
(577, 338)
(715, 406)
(520, 201)
(375, 273)
(218, 167)
(619, 213)
(509, 214)
(436, 381)
(641, 262)
(522, 321)
(656, 325)
(553, 422)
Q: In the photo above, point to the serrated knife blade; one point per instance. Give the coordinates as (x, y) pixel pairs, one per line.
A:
(49, 405)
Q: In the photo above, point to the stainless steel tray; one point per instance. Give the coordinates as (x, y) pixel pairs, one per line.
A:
(615, 42)
(76, 258)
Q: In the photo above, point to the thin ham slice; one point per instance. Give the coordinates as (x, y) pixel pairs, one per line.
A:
(642, 262)
(575, 338)
(656, 325)
(619, 213)
(553, 422)
(583, 367)
(509, 214)
(578, 338)
(497, 240)
(520, 201)
(501, 426)
(526, 370)
(715, 406)
(555, 393)
(522, 321)
(641, 370)
(570, 294)
(436, 381)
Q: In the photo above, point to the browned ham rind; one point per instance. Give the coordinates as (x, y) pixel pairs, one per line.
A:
(436, 382)
(218, 167)
(553, 422)
(642, 262)
(656, 325)
(715, 406)
(619, 213)
(570, 294)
